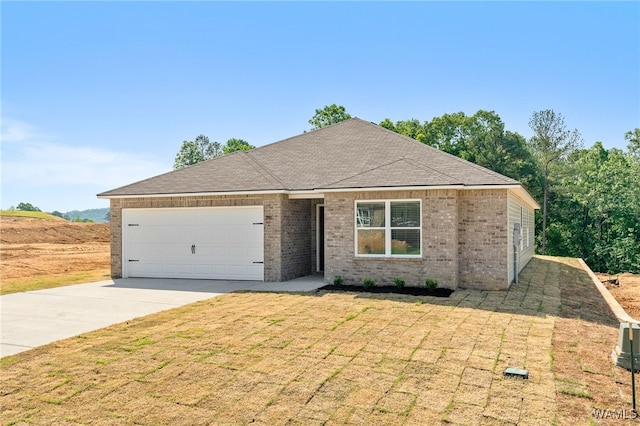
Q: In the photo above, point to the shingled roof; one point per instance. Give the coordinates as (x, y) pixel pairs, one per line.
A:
(348, 155)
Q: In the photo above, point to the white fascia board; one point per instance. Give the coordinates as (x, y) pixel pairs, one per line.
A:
(193, 194)
(526, 197)
(392, 188)
(319, 193)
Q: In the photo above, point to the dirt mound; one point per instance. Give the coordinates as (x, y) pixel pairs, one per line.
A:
(21, 230)
(626, 289)
(46, 248)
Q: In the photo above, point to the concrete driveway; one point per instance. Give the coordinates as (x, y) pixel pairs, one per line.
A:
(39, 317)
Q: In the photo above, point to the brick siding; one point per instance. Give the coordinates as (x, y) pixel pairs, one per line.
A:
(464, 236)
(287, 240)
(483, 239)
(439, 250)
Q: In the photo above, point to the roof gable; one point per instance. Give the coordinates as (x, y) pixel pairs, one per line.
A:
(401, 172)
(350, 154)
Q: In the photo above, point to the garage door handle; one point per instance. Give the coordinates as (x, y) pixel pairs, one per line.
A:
(193, 249)
(134, 260)
(258, 262)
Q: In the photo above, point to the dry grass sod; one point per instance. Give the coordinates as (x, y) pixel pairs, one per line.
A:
(15, 285)
(336, 359)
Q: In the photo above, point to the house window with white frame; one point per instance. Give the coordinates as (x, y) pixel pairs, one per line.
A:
(388, 228)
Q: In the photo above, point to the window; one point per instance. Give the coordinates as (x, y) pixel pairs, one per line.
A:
(388, 228)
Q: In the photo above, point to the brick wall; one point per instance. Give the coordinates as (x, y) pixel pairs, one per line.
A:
(464, 236)
(296, 238)
(483, 239)
(439, 249)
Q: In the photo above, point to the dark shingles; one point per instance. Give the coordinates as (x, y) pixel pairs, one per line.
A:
(351, 154)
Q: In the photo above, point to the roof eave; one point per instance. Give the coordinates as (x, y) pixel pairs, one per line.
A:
(516, 188)
(104, 196)
(519, 190)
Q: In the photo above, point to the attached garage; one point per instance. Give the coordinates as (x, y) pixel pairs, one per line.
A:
(205, 243)
(294, 206)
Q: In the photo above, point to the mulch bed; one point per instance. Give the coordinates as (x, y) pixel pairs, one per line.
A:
(413, 291)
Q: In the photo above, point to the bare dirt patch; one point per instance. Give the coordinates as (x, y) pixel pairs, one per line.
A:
(22, 230)
(626, 291)
(39, 248)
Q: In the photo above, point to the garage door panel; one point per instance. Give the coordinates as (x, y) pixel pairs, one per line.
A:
(227, 243)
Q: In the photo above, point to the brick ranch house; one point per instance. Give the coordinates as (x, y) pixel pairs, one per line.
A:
(353, 200)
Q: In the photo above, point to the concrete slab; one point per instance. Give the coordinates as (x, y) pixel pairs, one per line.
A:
(35, 318)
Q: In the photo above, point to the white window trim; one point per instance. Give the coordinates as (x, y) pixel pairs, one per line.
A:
(387, 228)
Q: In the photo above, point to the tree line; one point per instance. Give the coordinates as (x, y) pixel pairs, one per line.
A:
(28, 207)
(590, 197)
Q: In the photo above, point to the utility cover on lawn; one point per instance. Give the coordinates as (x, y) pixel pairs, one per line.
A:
(516, 372)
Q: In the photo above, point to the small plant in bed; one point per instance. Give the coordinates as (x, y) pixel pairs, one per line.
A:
(338, 281)
(430, 284)
(368, 283)
(398, 287)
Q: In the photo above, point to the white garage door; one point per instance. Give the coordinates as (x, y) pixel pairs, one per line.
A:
(206, 243)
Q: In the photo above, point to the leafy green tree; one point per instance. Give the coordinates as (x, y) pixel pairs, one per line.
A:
(234, 145)
(85, 220)
(551, 142)
(28, 207)
(448, 133)
(633, 136)
(201, 149)
(57, 214)
(330, 114)
(480, 138)
(196, 151)
(411, 128)
(600, 210)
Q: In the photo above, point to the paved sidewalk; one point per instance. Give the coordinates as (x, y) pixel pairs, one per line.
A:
(35, 318)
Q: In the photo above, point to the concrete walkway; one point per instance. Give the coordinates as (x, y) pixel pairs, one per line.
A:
(35, 318)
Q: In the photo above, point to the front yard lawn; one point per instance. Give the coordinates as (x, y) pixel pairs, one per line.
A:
(328, 358)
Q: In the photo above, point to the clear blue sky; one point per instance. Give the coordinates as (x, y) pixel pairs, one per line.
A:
(96, 95)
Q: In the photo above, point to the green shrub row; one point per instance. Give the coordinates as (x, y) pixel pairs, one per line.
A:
(429, 283)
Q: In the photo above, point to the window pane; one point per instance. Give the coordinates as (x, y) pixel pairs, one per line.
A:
(405, 241)
(370, 215)
(405, 214)
(370, 241)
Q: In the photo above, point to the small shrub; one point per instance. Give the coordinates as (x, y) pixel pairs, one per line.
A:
(399, 282)
(338, 280)
(368, 283)
(431, 284)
